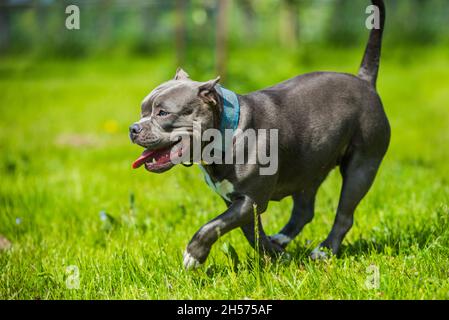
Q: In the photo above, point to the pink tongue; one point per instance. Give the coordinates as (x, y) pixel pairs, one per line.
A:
(142, 159)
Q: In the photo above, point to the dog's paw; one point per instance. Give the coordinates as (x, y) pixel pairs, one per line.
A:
(285, 257)
(280, 239)
(190, 262)
(319, 253)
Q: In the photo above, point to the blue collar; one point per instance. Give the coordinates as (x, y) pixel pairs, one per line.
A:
(231, 109)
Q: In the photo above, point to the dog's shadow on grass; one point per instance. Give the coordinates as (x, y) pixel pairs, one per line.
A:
(391, 241)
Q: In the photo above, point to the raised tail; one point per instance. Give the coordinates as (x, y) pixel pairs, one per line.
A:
(371, 59)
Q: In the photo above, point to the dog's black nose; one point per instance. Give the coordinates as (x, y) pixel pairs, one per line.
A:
(135, 128)
(134, 131)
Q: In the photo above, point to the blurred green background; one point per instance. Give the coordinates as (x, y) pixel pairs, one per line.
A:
(188, 28)
(68, 195)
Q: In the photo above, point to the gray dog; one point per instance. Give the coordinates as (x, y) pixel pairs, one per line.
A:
(324, 120)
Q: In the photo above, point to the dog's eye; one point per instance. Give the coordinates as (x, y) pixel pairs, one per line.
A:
(162, 113)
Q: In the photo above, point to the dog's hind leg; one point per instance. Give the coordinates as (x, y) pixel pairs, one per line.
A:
(358, 174)
(302, 214)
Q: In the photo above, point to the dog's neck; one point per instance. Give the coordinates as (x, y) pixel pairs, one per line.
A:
(229, 112)
(226, 117)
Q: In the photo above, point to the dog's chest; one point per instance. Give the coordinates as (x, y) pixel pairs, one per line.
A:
(224, 188)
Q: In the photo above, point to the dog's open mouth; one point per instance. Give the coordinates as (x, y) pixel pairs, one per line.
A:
(154, 160)
(158, 160)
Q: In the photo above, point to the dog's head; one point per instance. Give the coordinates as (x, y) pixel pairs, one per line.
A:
(169, 110)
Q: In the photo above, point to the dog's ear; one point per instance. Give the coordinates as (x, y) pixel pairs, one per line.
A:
(207, 91)
(181, 74)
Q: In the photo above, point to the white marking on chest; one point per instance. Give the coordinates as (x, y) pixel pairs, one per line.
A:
(224, 188)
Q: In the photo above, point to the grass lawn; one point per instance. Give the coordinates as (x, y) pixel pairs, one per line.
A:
(68, 195)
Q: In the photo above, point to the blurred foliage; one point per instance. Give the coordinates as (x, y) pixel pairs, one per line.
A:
(145, 27)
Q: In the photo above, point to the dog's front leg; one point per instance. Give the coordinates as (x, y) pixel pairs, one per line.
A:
(239, 213)
(261, 240)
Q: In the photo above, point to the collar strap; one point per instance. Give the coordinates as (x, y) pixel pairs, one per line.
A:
(231, 109)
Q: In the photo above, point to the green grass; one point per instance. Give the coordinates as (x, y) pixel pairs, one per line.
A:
(65, 157)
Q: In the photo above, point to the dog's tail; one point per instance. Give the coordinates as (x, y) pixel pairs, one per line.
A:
(371, 59)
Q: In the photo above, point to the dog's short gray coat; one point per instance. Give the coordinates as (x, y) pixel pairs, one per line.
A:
(324, 119)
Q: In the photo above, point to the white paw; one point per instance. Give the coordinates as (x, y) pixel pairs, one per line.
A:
(281, 239)
(318, 254)
(190, 262)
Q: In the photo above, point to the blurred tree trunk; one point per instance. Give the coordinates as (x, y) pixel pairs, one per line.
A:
(247, 7)
(5, 26)
(222, 38)
(289, 23)
(41, 15)
(105, 23)
(148, 20)
(181, 31)
(41, 20)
